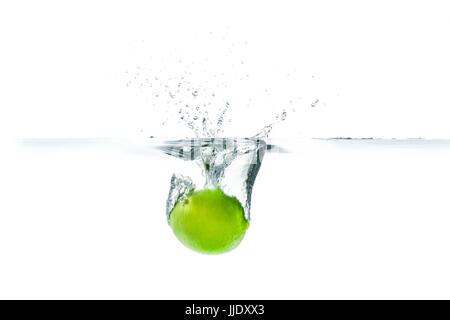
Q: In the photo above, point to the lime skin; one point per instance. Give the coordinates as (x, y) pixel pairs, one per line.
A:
(209, 221)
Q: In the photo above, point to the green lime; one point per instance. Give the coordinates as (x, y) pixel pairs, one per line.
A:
(209, 221)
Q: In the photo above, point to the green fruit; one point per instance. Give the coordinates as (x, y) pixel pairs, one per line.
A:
(209, 221)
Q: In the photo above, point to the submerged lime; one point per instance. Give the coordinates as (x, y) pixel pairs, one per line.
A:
(209, 221)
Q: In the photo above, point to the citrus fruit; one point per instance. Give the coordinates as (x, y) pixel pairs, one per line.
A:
(209, 221)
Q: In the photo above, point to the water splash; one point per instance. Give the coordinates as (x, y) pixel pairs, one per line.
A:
(180, 187)
(196, 99)
(230, 164)
(265, 131)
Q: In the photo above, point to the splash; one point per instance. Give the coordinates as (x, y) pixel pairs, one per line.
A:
(203, 104)
(229, 164)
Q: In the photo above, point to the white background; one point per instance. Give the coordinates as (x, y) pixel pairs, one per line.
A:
(328, 221)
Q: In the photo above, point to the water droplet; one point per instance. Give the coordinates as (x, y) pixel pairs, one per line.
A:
(315, 103)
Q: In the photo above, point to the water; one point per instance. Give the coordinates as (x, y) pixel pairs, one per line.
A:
(180, 186)
(211, 107)
(227, 163)
(192, 98)
(231, 164)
